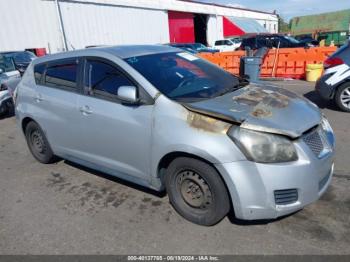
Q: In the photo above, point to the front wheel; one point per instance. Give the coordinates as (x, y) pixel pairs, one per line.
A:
(197, 191)
(342, 97)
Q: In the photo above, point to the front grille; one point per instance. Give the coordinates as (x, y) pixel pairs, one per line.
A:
(315, 141)
(286, 196)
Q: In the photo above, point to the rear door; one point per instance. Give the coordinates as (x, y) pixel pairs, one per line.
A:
(117, 136)
(55, 103)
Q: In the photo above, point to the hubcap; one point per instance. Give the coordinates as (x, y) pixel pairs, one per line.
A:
(38, 141)
(345, 97)
(194, 190)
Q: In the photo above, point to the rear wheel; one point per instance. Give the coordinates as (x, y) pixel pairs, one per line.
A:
(197, 191)
(38, 144)
(342, 97)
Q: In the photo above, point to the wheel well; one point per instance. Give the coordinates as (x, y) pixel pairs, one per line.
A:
(346, 82)
(25, 122)
(168, 158)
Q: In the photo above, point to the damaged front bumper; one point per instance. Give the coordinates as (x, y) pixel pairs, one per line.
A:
(268, 191)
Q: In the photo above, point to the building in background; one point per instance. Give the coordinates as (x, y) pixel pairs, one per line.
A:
(74, 24)
(333, 27)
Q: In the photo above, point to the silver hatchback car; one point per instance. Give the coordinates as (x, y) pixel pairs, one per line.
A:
(166, 119)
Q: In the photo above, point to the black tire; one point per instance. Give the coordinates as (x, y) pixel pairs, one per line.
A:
(338, 96)
(206, 201)
(38, 144)
(10, 108)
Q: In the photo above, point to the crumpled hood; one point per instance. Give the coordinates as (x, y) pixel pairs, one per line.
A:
(263, 108)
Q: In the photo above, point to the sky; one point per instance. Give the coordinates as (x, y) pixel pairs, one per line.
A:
(288, 8)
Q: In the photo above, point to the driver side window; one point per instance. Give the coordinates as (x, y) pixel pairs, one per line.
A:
(103, 80)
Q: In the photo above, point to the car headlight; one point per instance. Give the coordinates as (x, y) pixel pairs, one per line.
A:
(263, 147)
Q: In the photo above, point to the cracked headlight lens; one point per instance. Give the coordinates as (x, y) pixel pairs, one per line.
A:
(263, 147)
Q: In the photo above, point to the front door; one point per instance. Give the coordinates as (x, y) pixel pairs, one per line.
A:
(117, 135)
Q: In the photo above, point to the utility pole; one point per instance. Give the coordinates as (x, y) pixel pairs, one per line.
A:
(60, 20)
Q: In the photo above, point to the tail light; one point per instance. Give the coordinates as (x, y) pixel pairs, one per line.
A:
(332, 61)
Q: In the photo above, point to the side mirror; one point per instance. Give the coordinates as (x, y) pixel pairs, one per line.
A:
(21, 69)
(1, 71)
(128, 94)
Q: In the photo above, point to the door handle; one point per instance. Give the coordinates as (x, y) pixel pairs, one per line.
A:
(38, 98)
(85, 110)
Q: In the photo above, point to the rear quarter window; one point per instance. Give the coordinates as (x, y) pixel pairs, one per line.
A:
(343, 52)
(38, 73)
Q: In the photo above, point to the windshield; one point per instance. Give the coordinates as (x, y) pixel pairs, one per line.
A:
(292, 39)
(236, 40)
(6, 63)
(184, 77)
(199, 46)
(23, 57)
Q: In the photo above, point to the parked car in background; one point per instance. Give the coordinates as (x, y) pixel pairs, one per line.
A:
(226, 45)
(194, 47)
(9, 78)
(166, 119)
(21, 59)
(256, 41)
(307, 40)
(334, 85)
(237, 41)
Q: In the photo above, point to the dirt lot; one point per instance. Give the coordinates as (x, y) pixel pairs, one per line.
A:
(66, 209)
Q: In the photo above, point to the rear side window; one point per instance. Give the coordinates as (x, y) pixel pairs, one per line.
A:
(62, 75)
(38, 73)
(103, 80)
(261, 42)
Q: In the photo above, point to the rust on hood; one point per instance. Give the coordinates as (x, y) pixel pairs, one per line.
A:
(261, 112)
(261, 108)
(265, 97)
(263, 101)
(206, 123)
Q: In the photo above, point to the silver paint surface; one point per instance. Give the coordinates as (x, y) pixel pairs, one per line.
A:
(130, 141)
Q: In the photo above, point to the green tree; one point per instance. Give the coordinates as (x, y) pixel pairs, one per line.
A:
(283, 26)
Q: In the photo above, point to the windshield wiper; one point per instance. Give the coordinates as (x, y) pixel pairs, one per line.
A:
(230, 89)
(243, 81)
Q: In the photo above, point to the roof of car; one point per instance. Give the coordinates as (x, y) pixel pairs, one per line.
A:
(251, 35)
(12, 52)
(123, 51)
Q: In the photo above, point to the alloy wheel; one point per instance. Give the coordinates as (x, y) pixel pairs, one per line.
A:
(345, 97)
